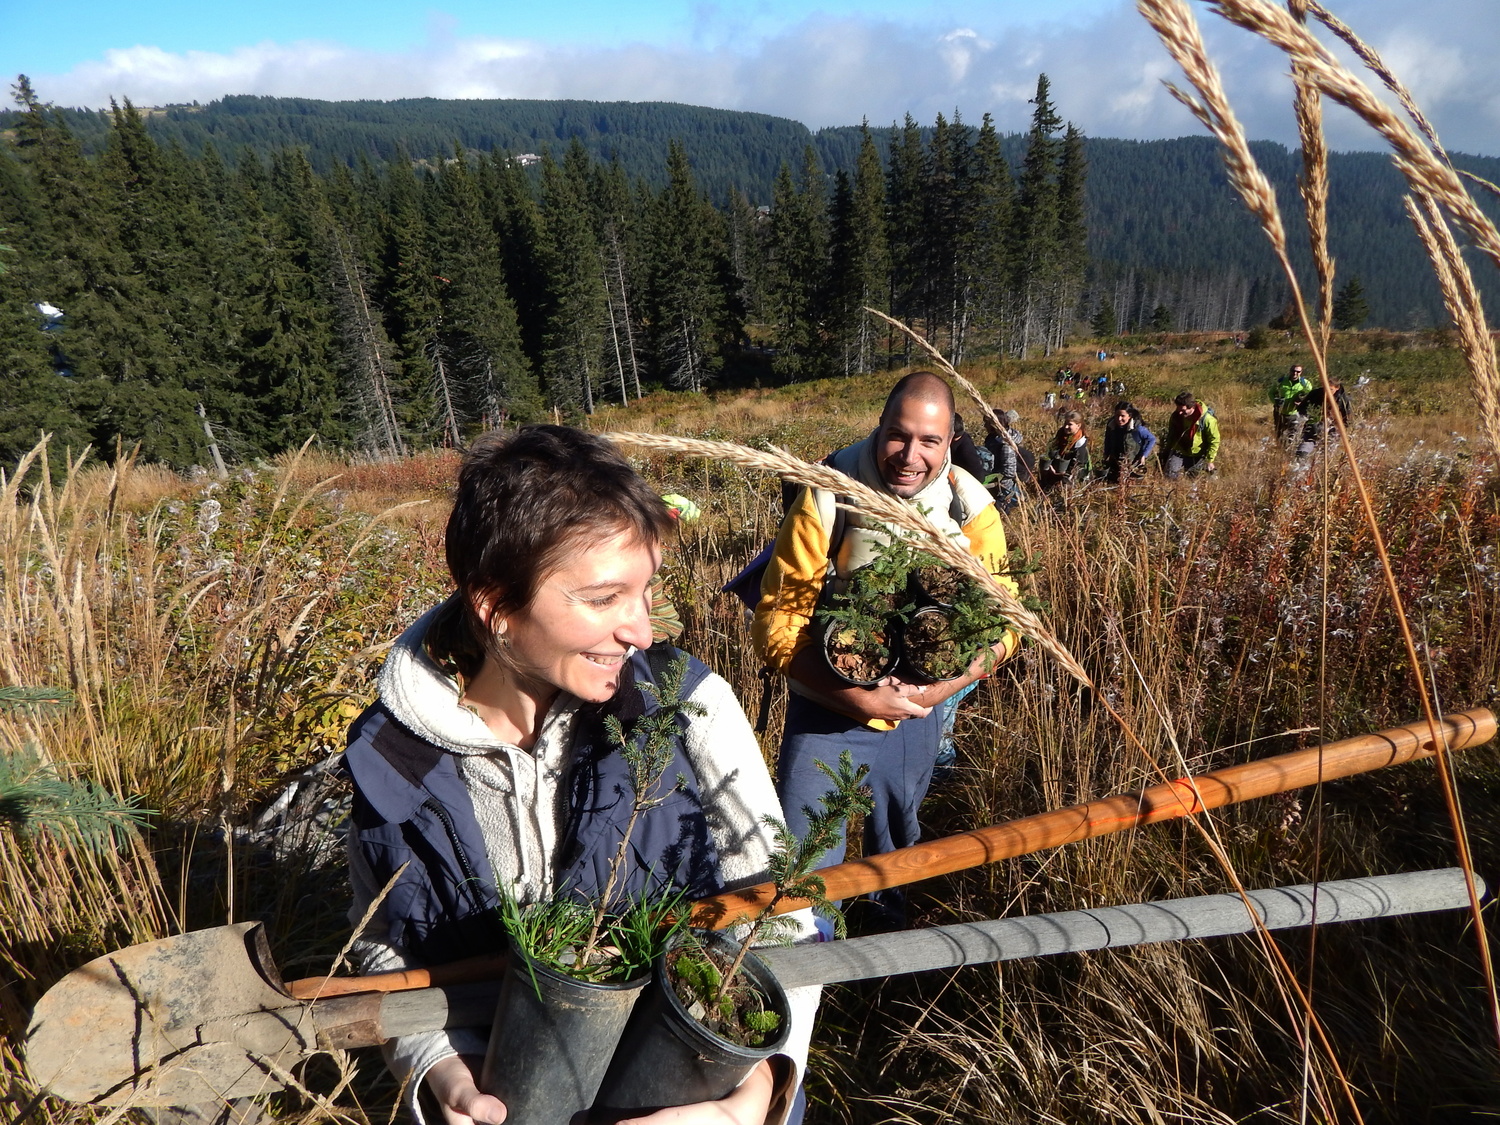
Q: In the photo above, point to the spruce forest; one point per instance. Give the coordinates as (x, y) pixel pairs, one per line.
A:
(175, 300)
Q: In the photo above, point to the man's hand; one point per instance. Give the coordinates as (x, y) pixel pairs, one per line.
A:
(452, 1083)
(891, 700)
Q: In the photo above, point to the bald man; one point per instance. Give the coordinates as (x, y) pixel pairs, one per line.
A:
(893, 727)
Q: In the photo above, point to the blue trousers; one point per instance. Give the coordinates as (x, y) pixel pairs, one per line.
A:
(900, 764)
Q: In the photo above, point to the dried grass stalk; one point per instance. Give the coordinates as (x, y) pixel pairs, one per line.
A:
(1464, 306)
(1308, 105)
(1371, 58)
(1423, 169)
(887, 509)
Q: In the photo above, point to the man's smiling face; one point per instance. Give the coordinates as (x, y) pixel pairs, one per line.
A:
(912, 444)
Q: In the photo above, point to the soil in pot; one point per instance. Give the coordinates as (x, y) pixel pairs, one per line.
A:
(938, 585)
(552, 1041)
(855, 656)
(930, 650)
(676, 1052)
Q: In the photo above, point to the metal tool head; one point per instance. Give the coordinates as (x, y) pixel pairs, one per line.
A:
(195, 1018)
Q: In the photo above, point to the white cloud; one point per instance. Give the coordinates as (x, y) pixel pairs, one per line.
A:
(1106, 72)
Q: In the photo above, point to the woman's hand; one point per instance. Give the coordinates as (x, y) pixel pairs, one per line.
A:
(746, 1106)
(452, 1083)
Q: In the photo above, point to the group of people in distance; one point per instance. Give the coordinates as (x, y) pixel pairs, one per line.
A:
(1190, 445)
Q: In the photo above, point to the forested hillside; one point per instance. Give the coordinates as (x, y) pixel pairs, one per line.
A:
(1165, 231)
(156, 295)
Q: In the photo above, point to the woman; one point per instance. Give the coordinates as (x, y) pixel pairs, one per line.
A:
(1068, 456)
(1127, 444)
(484, 766)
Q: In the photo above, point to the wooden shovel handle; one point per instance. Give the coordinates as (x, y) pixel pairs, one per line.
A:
(487, 967)
(1183, 797)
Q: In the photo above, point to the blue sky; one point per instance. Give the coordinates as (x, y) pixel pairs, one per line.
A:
(34, 38)
(828, 63)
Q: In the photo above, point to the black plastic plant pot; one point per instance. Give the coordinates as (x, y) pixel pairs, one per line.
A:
(552, 1041)
(882, 668)
(940, 589)
(667, 1058)
(915, 667)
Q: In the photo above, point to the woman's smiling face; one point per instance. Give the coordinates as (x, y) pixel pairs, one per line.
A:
(586, 617)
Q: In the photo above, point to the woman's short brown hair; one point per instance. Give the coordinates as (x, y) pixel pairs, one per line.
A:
(524, 502)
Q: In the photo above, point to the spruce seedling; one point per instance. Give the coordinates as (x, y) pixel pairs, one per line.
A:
(792, 868)
(647, 750)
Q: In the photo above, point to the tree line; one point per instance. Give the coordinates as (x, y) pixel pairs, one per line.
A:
(158, 297)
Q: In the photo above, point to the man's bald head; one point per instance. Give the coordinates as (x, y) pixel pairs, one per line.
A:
(920, 388)
(916, 429)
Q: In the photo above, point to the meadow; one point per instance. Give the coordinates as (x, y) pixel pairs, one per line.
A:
(220, 635)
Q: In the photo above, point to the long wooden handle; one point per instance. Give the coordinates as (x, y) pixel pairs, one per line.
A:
(1182, 797)
(486, 967)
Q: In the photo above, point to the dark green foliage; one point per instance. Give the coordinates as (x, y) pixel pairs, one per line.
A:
(797, 269)
(707, 980)
(607, 939)
(37, 801)
(691, 283)
(1350, 309)
(1104, 322)
(1161, 319)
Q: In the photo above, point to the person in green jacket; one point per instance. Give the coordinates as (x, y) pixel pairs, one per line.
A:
(1192, 441)
(1286, 402)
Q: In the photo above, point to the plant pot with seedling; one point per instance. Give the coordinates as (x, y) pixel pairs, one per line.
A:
(954, 623)
(578, 968)
(713, 1010)
(859, 626)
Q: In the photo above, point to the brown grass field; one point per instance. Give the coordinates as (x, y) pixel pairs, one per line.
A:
(220, 636)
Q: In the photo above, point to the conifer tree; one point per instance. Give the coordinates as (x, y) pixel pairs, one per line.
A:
(991, 199)
(905, 225)
(518, 224)
(576, 313)
(859, 259)
(479, 338)
(692, 318)
(1105, 323)
(1350, 309)
(1072, 234)
(1034, 240)
(797, 267)
(410, 302)
(617, 231)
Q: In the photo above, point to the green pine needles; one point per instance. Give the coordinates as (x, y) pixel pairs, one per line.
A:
(728, 1006)
(36, 801)
(610, 940)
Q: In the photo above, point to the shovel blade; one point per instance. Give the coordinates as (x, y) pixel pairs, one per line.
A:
(125, 1029)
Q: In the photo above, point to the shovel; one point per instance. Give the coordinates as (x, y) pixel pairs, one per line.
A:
(205, 1017)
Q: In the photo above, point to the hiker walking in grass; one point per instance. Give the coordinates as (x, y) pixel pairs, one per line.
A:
(1315, 407)
(486, 768)
(1286, 402)
(1068, 459)
(893, 727)
(1012, 461)
(1191, 444)
(1127, 444)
